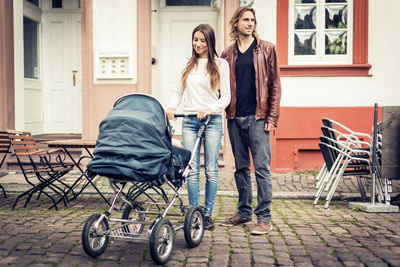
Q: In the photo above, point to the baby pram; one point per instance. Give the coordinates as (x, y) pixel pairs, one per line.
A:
(134, 148)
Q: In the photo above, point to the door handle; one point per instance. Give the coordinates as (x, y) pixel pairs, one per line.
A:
(74, 78)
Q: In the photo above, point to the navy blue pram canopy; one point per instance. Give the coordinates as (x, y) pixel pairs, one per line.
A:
(134, 141)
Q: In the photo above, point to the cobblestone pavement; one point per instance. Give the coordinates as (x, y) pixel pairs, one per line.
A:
(302, 235)
(285, 185)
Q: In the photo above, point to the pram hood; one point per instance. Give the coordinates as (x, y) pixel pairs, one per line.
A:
(134, 141)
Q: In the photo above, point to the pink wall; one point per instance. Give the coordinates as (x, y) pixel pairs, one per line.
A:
(98, 99)
(7, 103)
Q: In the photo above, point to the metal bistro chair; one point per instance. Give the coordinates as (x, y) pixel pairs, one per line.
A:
(341, 159)
(41, 168)
(352, 140)
(331, 129)
(4, 149)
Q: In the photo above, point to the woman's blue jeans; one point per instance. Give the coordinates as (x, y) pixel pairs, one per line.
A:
(212, 143)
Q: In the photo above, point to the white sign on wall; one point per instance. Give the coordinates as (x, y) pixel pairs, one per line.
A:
(114, 65)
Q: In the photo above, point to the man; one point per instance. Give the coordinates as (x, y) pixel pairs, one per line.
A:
(252, 114)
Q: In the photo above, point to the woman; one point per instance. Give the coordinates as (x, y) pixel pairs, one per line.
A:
(205, 82)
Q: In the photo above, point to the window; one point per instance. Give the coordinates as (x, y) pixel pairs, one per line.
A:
(323, 37)
(31, 66)
(320, 31)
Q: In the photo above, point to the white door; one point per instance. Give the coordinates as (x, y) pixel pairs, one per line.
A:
(62, 73)
(176, 26)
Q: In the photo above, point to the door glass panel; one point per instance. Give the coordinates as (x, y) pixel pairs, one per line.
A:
(188, 2)
(335, 1)
(56, 4)
(304, 1)
(31, 65)
(35, 2)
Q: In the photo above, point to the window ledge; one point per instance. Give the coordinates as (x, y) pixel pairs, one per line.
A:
(325, 70)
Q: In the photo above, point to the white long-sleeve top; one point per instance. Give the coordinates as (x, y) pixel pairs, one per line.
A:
(198, 94)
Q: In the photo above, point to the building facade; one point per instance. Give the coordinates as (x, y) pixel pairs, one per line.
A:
(65, 62)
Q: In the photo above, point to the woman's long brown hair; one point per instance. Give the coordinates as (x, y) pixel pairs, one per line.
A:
(235, 18)
(212, 68)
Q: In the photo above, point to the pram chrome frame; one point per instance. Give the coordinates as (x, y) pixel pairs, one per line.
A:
(96, 232)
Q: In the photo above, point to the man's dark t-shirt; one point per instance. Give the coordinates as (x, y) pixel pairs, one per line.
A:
(246, 101)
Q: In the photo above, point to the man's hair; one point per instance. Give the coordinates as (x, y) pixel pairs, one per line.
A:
(235, 18)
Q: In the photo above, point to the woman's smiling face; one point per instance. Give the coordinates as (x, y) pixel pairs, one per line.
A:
(200, 44)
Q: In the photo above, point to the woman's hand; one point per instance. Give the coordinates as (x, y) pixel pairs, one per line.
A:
(171, 113)
(202, 114)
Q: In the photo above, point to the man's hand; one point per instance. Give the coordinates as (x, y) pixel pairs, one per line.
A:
(171, 113)
(269, 127)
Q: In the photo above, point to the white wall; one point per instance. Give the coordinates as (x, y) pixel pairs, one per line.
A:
(266, 19)
(384, 56)
(384, 53)
(115, 29)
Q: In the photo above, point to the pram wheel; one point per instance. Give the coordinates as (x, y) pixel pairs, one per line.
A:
(194, 226)
(162, 241)
(94, 240)
(132, 213)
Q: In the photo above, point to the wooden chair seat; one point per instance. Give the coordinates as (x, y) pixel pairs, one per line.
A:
(49, 166)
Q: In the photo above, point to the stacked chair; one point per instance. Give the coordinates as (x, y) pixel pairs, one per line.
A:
(349, 153)
(42, 169)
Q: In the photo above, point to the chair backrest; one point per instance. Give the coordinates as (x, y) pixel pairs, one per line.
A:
(22, 142)
(4, 146)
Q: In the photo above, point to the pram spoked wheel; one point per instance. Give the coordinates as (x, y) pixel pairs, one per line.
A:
(132, 213)
(194, 226)
(162, 241)
(95, 240)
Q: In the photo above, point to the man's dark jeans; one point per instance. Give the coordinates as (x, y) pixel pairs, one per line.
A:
(245, 133)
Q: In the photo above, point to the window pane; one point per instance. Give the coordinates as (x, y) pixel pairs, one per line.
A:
(188, 2)
(304, 43)
(31, 69)
(304, 1)
(336, 42)
(335, 1)
(35, 2)
(335, 17)
(56, 4)
(305, 17)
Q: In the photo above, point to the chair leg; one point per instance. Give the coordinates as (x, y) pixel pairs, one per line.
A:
(21, 195)
(361, 188)
(4, 191)
(324, 182)
(336, 183)
(321, 173)
(321, 176)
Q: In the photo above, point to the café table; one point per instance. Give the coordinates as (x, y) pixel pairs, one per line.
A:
(67, 145)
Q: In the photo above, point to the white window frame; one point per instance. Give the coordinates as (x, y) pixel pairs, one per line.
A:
(320, 58)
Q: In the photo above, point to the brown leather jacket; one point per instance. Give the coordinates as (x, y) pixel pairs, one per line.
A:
(268, 83)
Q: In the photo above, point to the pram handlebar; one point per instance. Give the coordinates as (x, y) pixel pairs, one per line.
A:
(182, 115)
(191, 115)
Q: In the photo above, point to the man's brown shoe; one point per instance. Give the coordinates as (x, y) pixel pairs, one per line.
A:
(260, 228)
(235, 220)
